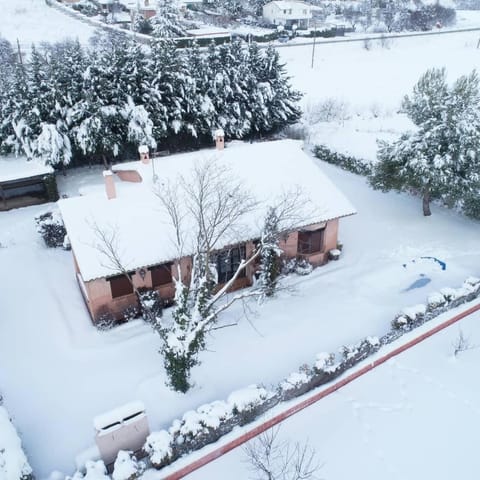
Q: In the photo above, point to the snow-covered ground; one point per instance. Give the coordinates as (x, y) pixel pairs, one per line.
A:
(33, 21)
(415, 417)
(57, 372)
(367, 86)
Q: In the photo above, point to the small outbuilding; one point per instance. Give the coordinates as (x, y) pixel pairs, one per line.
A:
(24, 183)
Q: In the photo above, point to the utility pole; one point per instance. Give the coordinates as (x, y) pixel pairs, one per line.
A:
(314, 40)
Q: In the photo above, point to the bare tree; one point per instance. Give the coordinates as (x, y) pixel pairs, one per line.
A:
(462, 343)
(207, 211)
(271, 459)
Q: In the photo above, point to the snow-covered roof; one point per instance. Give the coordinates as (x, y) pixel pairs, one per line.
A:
(144, 235)
(207, 32)
(16, 168)
(138, 4)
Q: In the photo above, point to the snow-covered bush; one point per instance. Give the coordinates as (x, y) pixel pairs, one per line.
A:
(436, 300)
(202, 426)
(105, 321)
(300, 266)
(328, 110)
(13, 462)
(410, 316)
(159, 448)
(246, 402)
(130, 313)
(352, 354)
(151, 305)
(352, 164)
(125, 467)
(50, 226)
(95, 471)
(325, 362)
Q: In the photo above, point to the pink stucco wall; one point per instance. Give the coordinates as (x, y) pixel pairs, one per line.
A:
(100, 297)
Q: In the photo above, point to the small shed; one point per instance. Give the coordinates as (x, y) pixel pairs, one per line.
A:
(24, 183)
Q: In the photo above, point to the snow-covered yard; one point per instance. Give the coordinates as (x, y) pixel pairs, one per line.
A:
(57, 372)
(414, 417)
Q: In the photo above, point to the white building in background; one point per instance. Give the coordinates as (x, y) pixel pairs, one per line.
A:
(146, 8)
(288, 13)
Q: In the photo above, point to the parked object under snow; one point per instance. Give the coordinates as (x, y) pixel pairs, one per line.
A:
(123, 428)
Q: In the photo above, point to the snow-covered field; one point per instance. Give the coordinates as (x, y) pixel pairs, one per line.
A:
(415, 417)
(57, 372)
(368, 85)
(33, 21)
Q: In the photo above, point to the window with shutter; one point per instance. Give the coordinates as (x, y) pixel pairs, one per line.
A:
(120, 286)
(310, 242)
(161, 274)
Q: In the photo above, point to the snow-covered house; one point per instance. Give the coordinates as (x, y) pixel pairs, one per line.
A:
(288, 13)
(129, 213)
(24, 183)
(145, 8)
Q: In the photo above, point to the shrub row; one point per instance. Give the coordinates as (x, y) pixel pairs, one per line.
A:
(210, 422)
(352, 164)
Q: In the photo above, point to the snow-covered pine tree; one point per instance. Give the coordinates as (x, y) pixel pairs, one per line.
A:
(230, 89)
(167, 21)
(270, 254)
(273, 103)
(439, 160)
(101, 129)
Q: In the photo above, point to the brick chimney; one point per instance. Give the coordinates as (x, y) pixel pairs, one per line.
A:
(144, 154)
(109, 184)
(219, 138)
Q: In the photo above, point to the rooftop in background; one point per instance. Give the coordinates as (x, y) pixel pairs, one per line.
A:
(16, 168)
(144, 234)
(207, 32)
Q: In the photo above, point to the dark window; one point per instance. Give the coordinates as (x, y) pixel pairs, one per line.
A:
(310, 242)
(161, 274)
(120, 286)
(228, 261)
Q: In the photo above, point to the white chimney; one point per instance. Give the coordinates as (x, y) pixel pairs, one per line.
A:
(144, 154)
(219, 138)
(109, 184)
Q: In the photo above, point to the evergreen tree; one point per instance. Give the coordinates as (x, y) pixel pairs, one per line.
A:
(439, 159)
(167, 22)
(270, 253)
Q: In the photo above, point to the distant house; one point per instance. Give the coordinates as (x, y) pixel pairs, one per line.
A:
(144, 235)
(145, 8)
(288, 13)
(24, 183)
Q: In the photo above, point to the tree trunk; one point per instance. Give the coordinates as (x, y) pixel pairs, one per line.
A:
(426, 202)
